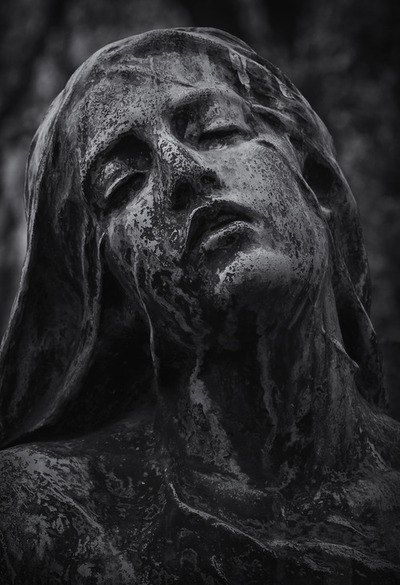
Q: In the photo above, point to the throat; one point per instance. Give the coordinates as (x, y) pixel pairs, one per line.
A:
(265, 413)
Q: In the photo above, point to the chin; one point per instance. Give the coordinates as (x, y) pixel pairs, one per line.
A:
(248, 276)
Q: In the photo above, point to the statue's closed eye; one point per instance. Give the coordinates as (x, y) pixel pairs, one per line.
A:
(124, 188)
(215, 121)
(221, 136)
(122, 172)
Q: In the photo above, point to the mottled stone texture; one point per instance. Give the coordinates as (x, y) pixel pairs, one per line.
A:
(190, 384)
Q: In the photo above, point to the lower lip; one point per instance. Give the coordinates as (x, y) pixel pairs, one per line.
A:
(226, 235)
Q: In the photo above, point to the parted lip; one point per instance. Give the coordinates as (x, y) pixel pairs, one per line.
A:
(211, 217)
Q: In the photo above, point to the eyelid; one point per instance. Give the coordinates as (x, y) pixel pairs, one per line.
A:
(120, 182)
(225, 126)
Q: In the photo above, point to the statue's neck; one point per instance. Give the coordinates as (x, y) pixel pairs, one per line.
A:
(264, 409)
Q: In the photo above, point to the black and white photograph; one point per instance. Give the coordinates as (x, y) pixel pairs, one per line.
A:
(200, 292)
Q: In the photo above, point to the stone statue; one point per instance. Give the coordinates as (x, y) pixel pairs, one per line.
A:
(190, 383)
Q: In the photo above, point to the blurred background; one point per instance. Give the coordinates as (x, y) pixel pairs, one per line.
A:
(344, 56)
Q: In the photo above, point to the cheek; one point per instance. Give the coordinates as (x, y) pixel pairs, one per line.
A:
(148, 276)
(132, 243)
(266, 180)
(140, 230)
(293, 250)
(142, 260)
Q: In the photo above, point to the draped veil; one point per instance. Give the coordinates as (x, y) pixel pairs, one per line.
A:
(75, 354)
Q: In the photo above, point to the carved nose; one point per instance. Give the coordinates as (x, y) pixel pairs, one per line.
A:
(185, 190)
(188, 177)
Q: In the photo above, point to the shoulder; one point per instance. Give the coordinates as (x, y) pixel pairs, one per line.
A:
(32, 515)
(69, 465)
(50, 529)
(60, 503)
(46, 486)
(35, 481)
(23, 469)
(27, 472)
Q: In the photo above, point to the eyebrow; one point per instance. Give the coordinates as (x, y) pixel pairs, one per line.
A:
(206, 94)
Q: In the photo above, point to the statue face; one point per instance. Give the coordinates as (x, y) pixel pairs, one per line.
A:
(202, 208)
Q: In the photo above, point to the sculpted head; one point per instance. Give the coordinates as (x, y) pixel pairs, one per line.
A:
(191, 175)
(199, 189)
(203, 204)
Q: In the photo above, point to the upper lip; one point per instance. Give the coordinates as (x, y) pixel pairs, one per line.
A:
(208, 218)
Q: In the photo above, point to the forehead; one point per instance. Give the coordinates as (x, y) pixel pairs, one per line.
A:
(135, 93)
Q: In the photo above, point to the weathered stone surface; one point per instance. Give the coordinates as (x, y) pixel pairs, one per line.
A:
(191, 388)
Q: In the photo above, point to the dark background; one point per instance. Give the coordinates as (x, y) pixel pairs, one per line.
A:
(342, 54)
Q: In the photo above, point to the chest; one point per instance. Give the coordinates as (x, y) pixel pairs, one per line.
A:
(133, 528)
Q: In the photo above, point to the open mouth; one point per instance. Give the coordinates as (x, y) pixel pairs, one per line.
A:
(206, 221)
